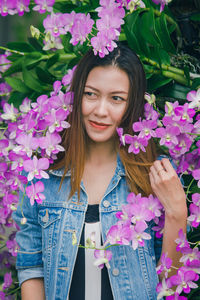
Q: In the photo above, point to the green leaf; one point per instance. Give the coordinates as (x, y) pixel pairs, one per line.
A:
(30, 60)
(15, 67)
(195, 83)
(176, 91)
(20, 46)
(31, 81)
(148, 30)
(51, 61)
(156, 81)
(68, 47)
(16, 98)
(17, 84)
(187, 73)
(164, 35)
(195, 17)
(130, 31)
(35, 44)
(45, 75)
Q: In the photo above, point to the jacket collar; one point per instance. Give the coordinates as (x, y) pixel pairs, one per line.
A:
(119, 170)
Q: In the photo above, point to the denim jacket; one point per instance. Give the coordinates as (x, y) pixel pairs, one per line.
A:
(45, 241)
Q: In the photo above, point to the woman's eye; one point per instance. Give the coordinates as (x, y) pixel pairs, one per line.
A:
(118, 98)
(90, 95)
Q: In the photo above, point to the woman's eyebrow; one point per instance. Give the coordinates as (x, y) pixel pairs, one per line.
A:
(114, 92)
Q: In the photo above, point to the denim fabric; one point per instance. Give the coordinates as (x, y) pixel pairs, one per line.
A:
(45, 241)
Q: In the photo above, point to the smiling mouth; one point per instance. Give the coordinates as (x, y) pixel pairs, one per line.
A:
(99, 125)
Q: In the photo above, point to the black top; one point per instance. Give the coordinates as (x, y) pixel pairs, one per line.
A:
(77, 289)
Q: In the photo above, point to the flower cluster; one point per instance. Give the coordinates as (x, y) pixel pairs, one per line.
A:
(78, 24)
(183, 281)
(110, 19)
(29, 141)
(12, 7)
(133, 221)
(177, 130)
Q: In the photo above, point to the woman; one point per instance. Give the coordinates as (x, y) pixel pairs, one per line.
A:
(95, 177)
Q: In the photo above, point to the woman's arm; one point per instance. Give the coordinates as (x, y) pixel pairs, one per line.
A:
(33, 289)
(168, 188)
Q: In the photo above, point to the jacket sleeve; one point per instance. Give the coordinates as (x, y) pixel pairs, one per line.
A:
(29, 239)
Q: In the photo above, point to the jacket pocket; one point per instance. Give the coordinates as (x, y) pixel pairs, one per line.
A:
(49, 219)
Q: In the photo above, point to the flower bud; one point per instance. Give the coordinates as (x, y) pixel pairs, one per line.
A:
(13, 207)
(35, 32)
(74, 238)
(150, 98)
(23, 221)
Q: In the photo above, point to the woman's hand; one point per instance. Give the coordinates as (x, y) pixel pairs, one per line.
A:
(167, 187)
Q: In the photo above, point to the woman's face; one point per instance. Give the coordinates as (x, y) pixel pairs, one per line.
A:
(104, 102)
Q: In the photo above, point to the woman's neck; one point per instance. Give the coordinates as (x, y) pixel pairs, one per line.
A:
(99, 153)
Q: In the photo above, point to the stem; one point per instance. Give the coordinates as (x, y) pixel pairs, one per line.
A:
(2, 246)
(163, 66)
(13, 291)
(187, 192)
(10, 50)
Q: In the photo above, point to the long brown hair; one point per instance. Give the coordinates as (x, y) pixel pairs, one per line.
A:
(74, 138)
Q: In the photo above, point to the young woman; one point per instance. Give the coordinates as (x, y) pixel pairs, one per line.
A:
(95, 176)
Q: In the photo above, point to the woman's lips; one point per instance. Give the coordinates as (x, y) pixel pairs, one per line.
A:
(99, 125)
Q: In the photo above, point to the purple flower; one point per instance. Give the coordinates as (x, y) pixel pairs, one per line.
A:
(181, 241)
(185, 112)
(8, 7)
(12, 247)
(81, 28)
(150, 113)
(50, 143)
(102, 257)
(10, 112)
(140, 213)
(62, 100)
(196, 199)
(5, 89)
(189, 255)
(36, 168)
(7, 280)
(54, 24)
(22, 6)
(25, 107)
(99, 44)
(43, 5)
(135, 143)
(145, 127)
(56, 120)
(67, 79)
(194, 98)
(194, 217)
(119, 234)
(184, 280)
(168, 135)
(2, 295)
(162, 3)
(165, 265)
(27, 143)
(34, 192)
(57, 86)
(138, 235)
(164, 288)
(4, 62)
(196, 175)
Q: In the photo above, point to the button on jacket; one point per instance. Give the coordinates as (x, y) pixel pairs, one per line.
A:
(45, 241)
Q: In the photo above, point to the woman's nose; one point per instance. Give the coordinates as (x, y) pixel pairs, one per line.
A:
(101, 107)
